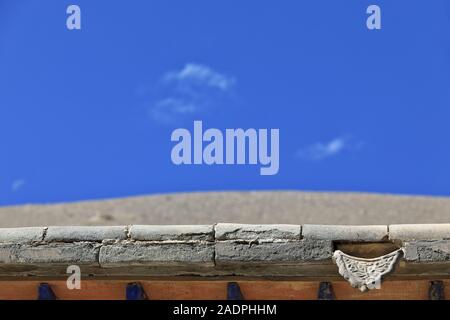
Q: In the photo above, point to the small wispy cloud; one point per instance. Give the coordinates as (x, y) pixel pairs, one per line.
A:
(187, 92)
(201, 75)
(165, 111)
(322, 150)
(17, 185)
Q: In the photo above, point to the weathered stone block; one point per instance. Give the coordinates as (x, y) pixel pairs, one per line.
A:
(53, 253)
(345, 233)
(21, 235)
(173, 232)
(419, 231)
(276, 252)
(85, 233)
(427, 251)
(156, 254)
(251, 232)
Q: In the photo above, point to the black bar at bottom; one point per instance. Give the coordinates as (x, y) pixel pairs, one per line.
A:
(245, 309)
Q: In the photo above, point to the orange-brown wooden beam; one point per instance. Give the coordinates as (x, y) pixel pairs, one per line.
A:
(186, 290)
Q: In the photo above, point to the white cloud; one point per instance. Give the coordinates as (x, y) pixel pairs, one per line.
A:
(322, 150)
(201, 75)
(17, 185)
(185, 93)
(167, 110)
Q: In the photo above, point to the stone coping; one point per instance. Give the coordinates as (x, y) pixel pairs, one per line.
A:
(214, 250)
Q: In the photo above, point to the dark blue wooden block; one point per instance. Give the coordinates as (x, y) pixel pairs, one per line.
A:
(135, 291)
(45, 292)
(436, 291)
(326, 291)
(234, 291)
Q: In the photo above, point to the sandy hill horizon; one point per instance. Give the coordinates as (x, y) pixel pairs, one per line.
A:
(240, 207)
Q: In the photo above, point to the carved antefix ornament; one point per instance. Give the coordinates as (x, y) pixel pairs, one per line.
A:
(365, 273)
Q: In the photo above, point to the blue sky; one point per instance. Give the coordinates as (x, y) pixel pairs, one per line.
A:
(88, 114)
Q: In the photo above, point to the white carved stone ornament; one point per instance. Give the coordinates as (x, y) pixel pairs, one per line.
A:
(365, 273)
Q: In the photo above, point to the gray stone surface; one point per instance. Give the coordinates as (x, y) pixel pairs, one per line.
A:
(277, 252)
(21, 235)
(268, 232)
(53, 253)
(345, 233)
(172, 232)
(427, 251)
(136, 254)
(85, 233)
(419, 231)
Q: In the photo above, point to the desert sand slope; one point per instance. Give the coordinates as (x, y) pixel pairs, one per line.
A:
(241, 207)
